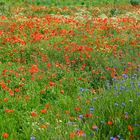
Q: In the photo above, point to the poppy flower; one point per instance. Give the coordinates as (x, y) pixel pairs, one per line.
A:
(48, 64)
(109, 122)
(0, 32)
(47, 106)
(43, 111)
(94, 127)
(79, 132)
(132, 137)
(5, 99)
(33, 69)
(26, 97)
(51, 83)
(43, 126)
(77, 109)
(33, 114)
(88, 115)
(67, 112)
(130, 128)
(16, 89)
(5, 135)
(9, 111)
(72, 134)
(62, 91)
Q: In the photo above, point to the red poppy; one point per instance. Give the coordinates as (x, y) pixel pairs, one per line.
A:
(130, 128)
(26, 97)
(72, 134)
(47, 106)
(67, 112)
(94, 127)
(33, 69)
(33, 114)
(88, 115)
(51, 83)
(79, 132)
(62, 91)
(17, 89)
(0, 32)
(3, 85)
(77, 109)
(48, 64)
(5, 99)
(9, 111)
(43, 111)
(109, 122)
(11, 92)
(131, 137)
(43, 126)
(5, 135)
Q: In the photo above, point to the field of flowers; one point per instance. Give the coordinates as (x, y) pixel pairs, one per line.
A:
(69, 72)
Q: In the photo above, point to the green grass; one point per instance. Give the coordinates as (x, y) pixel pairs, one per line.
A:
(67, 2)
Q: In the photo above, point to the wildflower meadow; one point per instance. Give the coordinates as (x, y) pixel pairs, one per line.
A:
(69, 70)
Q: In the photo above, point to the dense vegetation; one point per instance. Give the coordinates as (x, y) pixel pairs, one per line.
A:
(69, 70)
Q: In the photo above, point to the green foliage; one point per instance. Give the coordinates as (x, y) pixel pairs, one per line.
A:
(135, 2)
(65, 2)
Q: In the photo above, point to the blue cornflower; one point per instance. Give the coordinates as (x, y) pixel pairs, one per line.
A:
(124, 75)
(82, 90)
(121, 88)
(132, 77)
(94, 127)
(133, 86)
(108, 85)
(91, 109)
(123, 104)
(132, 83)
(121, 82)
(95, 99)
(136, 124)
(71, 122)
(118, 136)
(137, 94)
(112, 138)
(115, 87)
(102, 122)
(86, 89)
(84, 135)
(138, 85)
(135, 75)
(32, 138)
(113, 79)
(126, 113)
(116, 104)
(81, 116)
(130, 101)
(119, 93)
